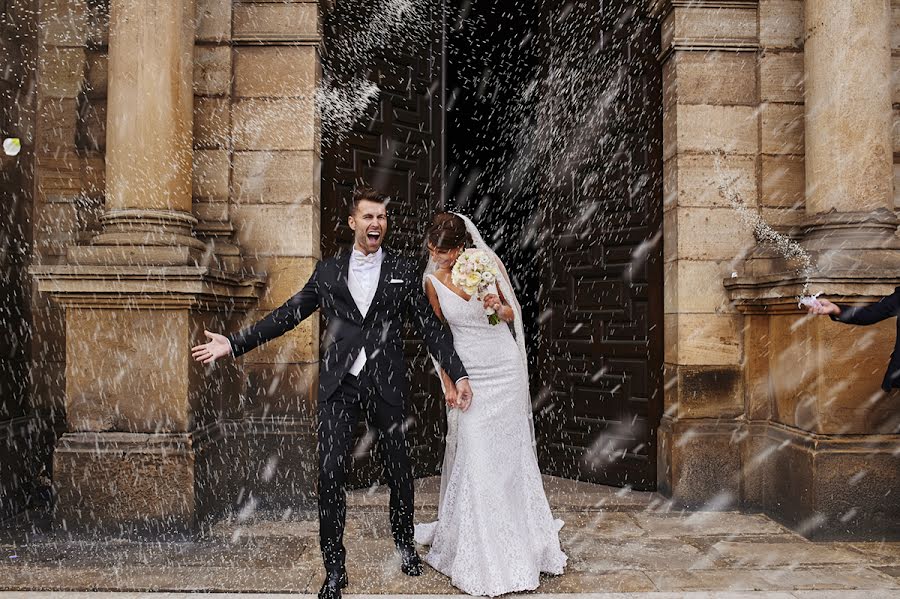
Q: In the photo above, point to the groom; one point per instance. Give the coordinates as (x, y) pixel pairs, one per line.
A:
(365, 295)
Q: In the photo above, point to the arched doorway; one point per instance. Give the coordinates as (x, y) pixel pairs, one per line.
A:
(587, 253)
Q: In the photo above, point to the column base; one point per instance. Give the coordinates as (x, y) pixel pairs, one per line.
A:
(846, 241)
(823, 486)
(137, 485)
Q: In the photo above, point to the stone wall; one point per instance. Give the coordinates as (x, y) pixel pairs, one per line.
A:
(712, 132)
(255, 188)
(766, 408)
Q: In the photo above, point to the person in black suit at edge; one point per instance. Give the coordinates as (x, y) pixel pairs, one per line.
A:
(887, 307)
(365, 295)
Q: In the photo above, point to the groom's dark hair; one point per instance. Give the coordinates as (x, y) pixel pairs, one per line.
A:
(368, 194)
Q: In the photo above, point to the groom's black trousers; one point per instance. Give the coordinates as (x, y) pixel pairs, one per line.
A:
(338, 416)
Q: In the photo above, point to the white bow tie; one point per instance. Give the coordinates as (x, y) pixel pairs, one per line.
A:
(364, 260)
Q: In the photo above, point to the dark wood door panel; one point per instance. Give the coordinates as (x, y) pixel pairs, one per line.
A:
(601, 337)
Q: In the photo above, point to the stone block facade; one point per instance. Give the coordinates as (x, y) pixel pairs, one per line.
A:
(764, 408)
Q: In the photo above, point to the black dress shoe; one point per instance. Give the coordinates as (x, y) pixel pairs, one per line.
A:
(410, 562)
(334, 582)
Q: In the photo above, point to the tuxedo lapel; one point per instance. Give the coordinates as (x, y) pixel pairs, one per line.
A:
(343, 285)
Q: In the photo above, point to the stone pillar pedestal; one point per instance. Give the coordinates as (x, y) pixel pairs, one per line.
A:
(141, 452)
(821, 436)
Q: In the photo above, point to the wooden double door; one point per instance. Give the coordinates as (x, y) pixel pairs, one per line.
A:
(597, 292)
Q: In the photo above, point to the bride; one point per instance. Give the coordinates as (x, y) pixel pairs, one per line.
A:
(495, 533)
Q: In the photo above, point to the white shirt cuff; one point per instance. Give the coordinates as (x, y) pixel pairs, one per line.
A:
(462, 378)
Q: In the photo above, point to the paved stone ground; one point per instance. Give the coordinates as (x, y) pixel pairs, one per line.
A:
(617, 541)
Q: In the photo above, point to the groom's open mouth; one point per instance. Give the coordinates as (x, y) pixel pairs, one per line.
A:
(373, 236)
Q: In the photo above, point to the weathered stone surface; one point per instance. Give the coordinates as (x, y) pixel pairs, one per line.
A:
(695, 286)
(213, 20)
(124, 482)
(850, 490)
(281, 71)
(730, 129)
(757, 344)
(276, 177)
(781, 77)
(212, 70)
(849, 160)
(211, 174)
(700, 463)
(212, 122)
(285, 276)
(897, 186)
(96, 73)
(781, 23)
(849, 399)
(719, 78)
(783, 554)
(783, 181)
(707, 391)
(782, 129)
(91, 132)
(280, 124)
(62, 72)
(63, 22)
(710, 234)
(696, 180)
(56, 125)
(700, 524)
(276, 20)
(705, 26)
(281, 230)
(768, 579)
(205, 210)
(150, 390)
(703, 339)
(839, 398)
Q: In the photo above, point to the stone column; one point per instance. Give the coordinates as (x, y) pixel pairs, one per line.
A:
(815, 414)
(849, 155)
(149, 133)
(143, 450)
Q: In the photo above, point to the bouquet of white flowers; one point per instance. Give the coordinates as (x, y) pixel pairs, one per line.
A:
(476, 273)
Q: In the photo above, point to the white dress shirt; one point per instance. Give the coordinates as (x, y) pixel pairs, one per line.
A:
(362, 280)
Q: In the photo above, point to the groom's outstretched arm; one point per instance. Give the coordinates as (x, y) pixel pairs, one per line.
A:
(872, 313)
(281, 320)
(436, 335)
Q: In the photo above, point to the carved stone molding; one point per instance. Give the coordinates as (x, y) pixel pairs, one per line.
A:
(158, 287)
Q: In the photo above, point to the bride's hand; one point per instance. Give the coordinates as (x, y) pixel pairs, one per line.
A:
(451, 396)
(492, 300)
(465, 394)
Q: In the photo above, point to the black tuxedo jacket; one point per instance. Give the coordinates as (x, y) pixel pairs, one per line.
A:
(866, 315)
(399, 295)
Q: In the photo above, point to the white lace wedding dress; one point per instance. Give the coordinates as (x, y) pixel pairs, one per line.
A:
(495, 533)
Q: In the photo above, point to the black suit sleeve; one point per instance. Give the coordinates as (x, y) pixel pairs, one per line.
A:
(281, 320)
(866, 315)
(437, 336)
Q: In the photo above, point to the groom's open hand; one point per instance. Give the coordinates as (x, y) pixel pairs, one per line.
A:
(464, 395)
(217, 347)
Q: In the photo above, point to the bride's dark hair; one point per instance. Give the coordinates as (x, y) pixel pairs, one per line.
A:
(448, 232)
